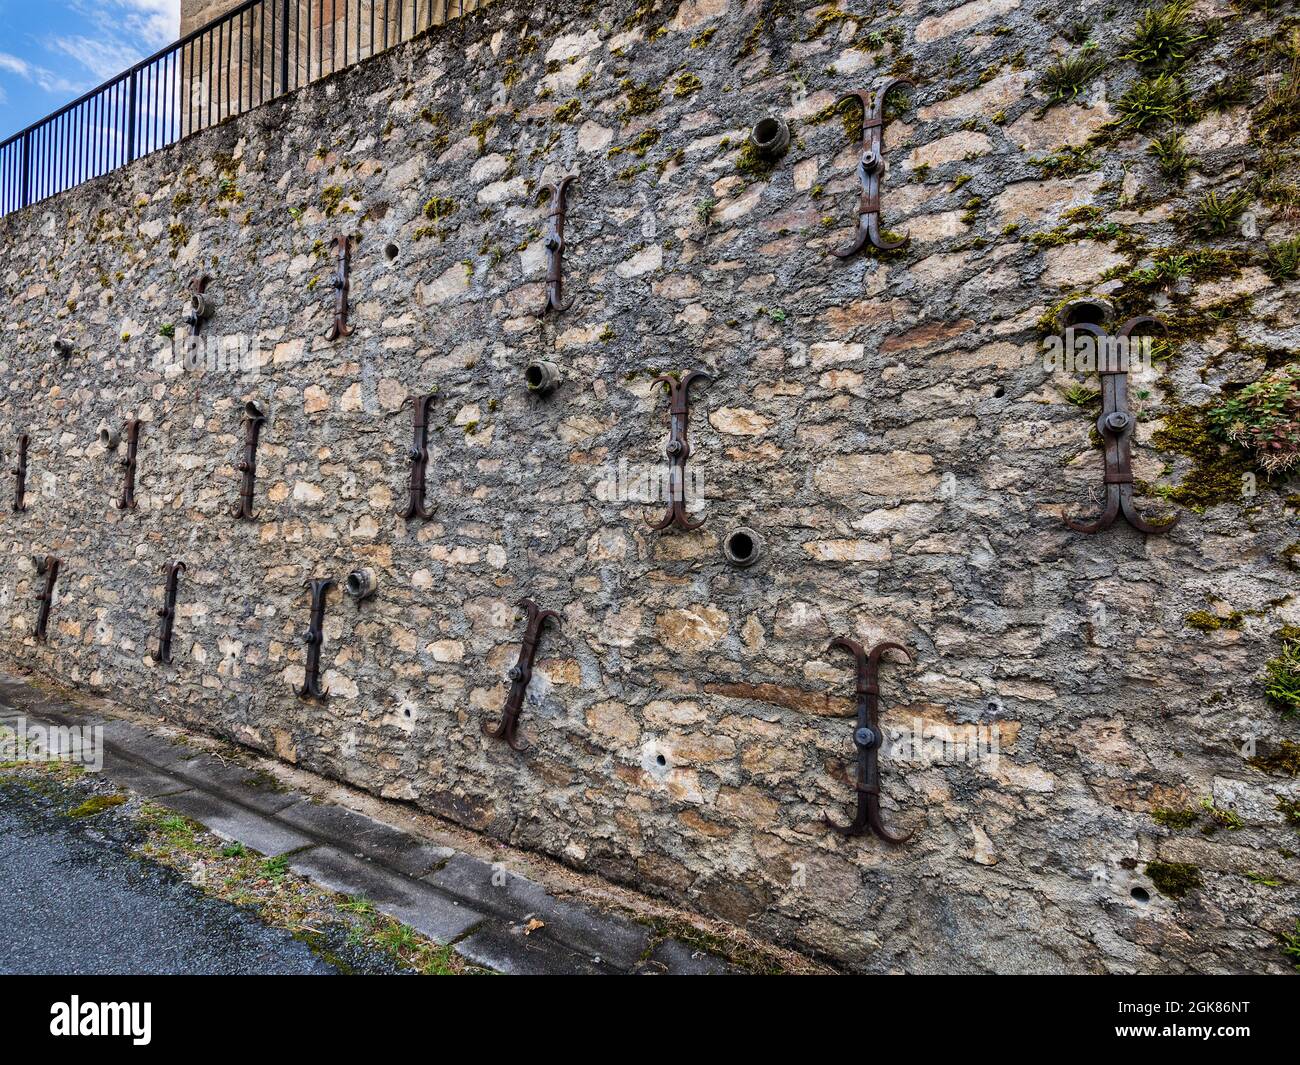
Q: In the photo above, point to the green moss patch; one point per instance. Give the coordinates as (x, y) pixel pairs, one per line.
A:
(637, 146)
(1207, 622)
(1174, 879)
(1284, 761)
(97, 805)
(1175, 819)
(639, 99)
(687, 85)
(1218, 470)
(568, 112)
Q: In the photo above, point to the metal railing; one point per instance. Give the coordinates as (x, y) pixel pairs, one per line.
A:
(256, 52)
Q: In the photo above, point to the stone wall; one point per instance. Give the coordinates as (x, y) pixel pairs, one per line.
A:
(887, 424)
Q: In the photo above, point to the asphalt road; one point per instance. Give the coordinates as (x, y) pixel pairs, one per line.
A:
(74, 901)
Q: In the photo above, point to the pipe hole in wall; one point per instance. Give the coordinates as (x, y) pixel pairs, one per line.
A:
(391, 251)
(361, 584)
(742, 547)
(541, 377)
(999, 392)
(1096, 312)
(770, 136)
(661, 760)
(1141, 894)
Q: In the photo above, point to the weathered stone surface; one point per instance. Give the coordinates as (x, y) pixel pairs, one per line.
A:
(998, 93)
(964, 144)
(1077, 265)
(937, 27)
(1058, 126)
(1034, 201)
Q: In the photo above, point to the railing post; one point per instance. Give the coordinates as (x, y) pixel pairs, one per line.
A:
(284, 46)
(131, 111)
(27, 168)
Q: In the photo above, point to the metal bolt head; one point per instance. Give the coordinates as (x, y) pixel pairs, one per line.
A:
(515, 673)
(864, 737)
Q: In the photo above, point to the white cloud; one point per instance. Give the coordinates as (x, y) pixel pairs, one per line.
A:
(119, 33)
(104, 59)
(46, 79)
(157, 21)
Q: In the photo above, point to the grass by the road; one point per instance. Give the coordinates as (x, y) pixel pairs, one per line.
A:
(346, 931)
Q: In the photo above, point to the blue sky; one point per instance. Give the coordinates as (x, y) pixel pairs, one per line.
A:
(52, 51)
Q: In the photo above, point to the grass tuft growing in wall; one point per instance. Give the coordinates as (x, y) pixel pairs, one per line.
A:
(1170, 154)
(1215, 212)
(1153, 101)
(1163, 36)
(1282, 675)
(1069, 75)
(1283, 260)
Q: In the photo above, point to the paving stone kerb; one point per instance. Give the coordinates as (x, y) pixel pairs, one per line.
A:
(888, 427)
(493, 917)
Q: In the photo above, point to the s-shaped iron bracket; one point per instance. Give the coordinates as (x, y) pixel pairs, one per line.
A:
(520, 675)
(127, 500)
(866, 738)
(200, 309)
(167, 612)
(247, 466)
(418, 456)
(1116, 426)
(314, 637)
(678, 449)
(871, 168)
(555, 246)
(49, 566)
(342, 285)
(20, 474)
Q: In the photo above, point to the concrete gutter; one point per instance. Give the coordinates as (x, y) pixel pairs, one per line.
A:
(489, 914)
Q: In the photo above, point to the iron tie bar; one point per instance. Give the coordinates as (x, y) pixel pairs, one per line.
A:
(1116, 426)
(49, 567)
(555, 245)
(342, 286)
(871, 168)
(167, 612)
(20, 474)
(678, 450)
(867, 738)
(520, 674)
(127, 500)
(314, 637)
(418, 456)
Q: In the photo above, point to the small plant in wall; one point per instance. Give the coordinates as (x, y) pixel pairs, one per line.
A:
(1163, 36)
(1291, 945)
(1069, 75)
(1216, 212)
(1283, 260)
(1170, 154)
(1282, 674)
(1152, 101)
(1264, 417)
